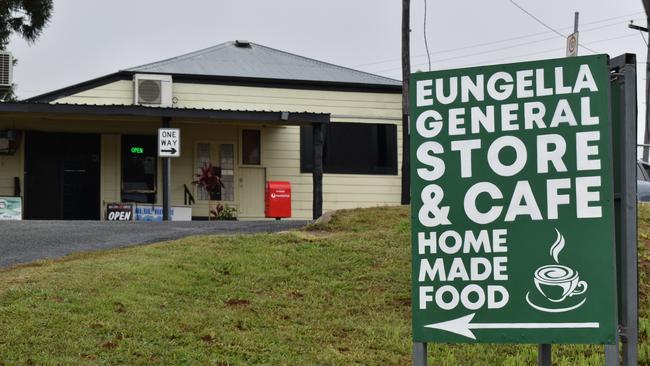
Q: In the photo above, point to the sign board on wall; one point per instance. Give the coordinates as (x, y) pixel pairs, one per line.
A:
(512, 203)
(119, 212)
(144, 212)
(11, 208)
(169, 142)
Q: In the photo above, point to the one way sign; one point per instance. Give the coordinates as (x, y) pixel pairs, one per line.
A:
(169, 142)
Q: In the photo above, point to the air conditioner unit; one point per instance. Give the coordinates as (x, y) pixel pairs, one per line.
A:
(6, 69)
(153, 90)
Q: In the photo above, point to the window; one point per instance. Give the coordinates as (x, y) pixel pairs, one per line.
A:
(227, 160)
(139, 168)
(222, 158)
(202, 158)
(352, 148)
(250, 142)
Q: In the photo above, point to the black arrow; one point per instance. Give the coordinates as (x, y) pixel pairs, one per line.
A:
(171, 151)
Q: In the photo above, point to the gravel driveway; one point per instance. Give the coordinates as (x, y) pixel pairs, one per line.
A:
(27, 241)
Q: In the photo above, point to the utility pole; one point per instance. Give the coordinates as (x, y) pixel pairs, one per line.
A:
(646, 137)
(406, 72)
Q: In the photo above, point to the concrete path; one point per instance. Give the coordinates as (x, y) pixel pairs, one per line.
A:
(27, 241)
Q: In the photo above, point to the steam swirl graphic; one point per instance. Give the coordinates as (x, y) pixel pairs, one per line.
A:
(557, 246)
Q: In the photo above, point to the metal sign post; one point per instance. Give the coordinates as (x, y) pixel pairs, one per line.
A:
(513, 209)
(169, 146)
(572, 39)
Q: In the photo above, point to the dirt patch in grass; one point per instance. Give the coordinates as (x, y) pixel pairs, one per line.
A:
(237, 302)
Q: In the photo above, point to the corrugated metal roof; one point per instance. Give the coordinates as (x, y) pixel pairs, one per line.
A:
(234, 115)
(257, 61)
(25, 102)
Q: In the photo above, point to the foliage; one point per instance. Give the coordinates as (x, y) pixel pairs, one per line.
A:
(27, 18)
(208, 179)
(336, 294)
(221, 212)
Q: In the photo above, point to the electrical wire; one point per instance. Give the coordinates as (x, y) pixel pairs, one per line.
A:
(545, 51)
(508, 39)
(515, 57)
(546, 25)
(643, 37)
(537, 19)
(426, 42)
(496, 50)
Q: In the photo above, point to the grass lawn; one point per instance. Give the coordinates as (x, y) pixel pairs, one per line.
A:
(332, 295)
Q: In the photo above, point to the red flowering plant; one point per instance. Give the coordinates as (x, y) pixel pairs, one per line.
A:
(208, 179)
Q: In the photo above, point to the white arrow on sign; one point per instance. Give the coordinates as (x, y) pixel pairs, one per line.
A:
(463, 326)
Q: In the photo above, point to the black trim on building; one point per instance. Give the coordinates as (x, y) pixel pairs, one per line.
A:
(221, 80)
(80, 87)
(283, 118)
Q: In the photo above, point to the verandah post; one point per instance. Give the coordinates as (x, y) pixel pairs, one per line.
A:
(317, 173)
(166, 166)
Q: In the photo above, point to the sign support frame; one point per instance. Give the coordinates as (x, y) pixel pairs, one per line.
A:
(419, 354)
(623, 67)
(544, 352)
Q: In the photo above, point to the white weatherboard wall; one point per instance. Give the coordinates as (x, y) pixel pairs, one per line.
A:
(280, 144)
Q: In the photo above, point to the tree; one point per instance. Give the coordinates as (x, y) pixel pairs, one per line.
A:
(26, 18)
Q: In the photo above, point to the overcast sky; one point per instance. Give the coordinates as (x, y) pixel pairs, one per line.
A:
(91, 38)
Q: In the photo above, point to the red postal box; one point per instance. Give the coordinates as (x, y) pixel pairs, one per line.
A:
(277, 200)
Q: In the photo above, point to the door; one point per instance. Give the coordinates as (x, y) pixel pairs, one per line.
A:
(251, 188)
(62, 176)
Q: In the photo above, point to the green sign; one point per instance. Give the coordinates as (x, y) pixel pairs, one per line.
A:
(137, 150)
(512, 203)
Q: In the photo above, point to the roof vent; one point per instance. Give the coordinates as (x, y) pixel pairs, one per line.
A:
(242, 43)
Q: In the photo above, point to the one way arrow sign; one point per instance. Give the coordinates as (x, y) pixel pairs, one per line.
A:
(171, 151)
(169, 142)
(463, 326)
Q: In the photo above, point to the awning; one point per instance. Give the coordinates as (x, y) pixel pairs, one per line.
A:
(279, 117)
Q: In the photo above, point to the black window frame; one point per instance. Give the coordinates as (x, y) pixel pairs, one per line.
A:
(146, 196)
(342, 135)
(258, 134)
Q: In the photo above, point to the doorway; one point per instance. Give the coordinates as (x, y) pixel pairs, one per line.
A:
(62, 176)
(251, 188)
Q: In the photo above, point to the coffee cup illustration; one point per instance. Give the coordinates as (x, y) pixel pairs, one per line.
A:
(557, 282)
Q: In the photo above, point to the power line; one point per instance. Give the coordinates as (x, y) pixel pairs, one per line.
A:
(546, 25)
(531, 53)
(643, 37)
(507, 39)
(538, 20)
(501, 49)
(548, 50)
(424, 30)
